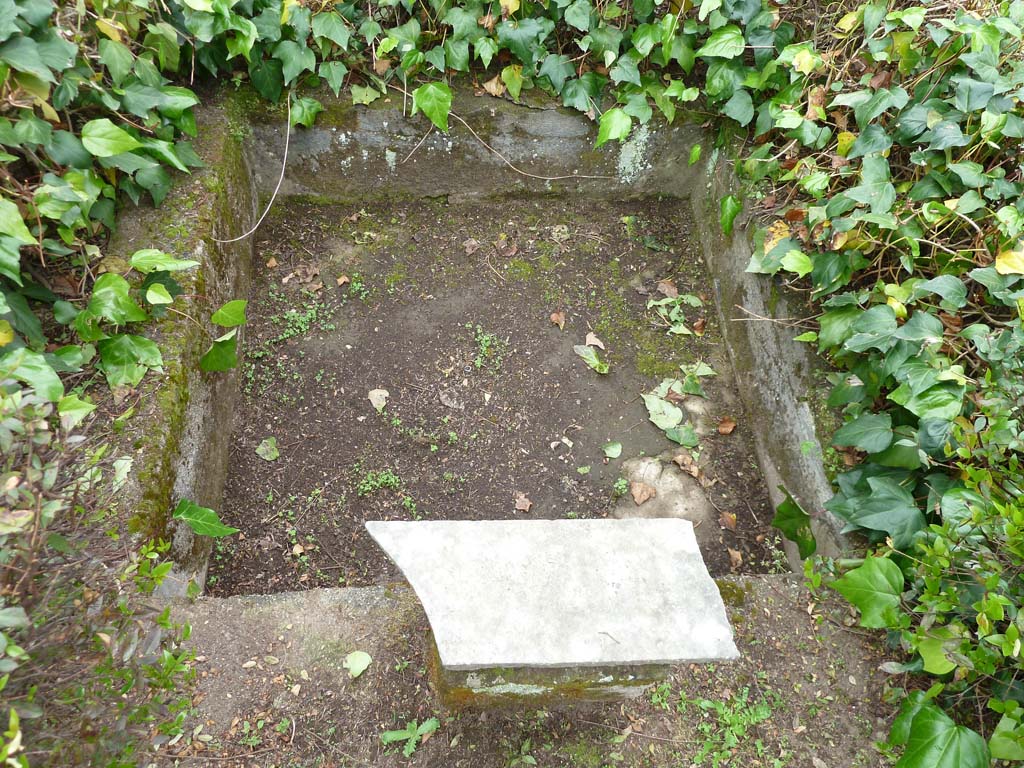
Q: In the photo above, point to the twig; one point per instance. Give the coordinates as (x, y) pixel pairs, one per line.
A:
(637, 733)
(280, 180)
(505, 159)
(418, 143)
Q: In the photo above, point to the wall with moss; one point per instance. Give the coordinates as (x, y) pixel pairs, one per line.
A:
(178, 438)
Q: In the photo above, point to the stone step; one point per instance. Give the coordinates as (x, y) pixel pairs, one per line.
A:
(583, 609)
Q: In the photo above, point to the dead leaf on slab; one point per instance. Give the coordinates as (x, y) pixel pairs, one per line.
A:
(593, 341)
(735, 558)
(558, 318)
(686, 463)
(495, 86)
(726, 426)
(523, 502)
(642, 492)
(668, 288)
(471, 246)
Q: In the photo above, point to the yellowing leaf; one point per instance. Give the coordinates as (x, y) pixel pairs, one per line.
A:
(845, 140)
(508, 7)
(6, 333)
(1011, 260)
(805, 61)
(110, 28)
(776, 233)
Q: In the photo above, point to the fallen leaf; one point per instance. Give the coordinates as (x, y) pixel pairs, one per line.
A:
(558, 318)
(356, 663)
(249, 664)
(298, 549)
(593, 341)
(495, 86)
(698, 325)
(380, 66)
(642, 492)
(450, 399)
(590, 357)
(267, 449)
(523, 502)
(271, 262)
(487, 22)
(272, 660)
(686, 463)
(728, 520)
(378, 399)
(726, 426)
(612, 450)
(343, 279)
(735, 558)
(471, 246)
(505, 247)
(668, 288)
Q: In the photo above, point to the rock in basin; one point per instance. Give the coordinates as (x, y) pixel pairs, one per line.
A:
(552, 609)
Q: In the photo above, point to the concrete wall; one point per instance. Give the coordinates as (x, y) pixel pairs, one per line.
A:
(180, 443)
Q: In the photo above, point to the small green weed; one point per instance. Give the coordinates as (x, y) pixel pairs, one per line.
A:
(374, 481)
(411, 734)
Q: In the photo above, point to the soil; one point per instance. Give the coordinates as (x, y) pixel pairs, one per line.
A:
(805, 693)
(449, 309)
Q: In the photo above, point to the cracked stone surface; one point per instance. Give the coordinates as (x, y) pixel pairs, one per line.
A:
(553, 593)
(678, 496)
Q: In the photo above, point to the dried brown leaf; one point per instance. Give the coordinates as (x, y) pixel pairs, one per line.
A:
(343, 279)
(495, 86)
(271, 262)
(558, 318)
(728, 520)
(641, 492)
(735, 558)
(699, 325)
(380, 66)
(726, 425)
(668, 288)
(523, 502)
(471, 246)
(593, 341)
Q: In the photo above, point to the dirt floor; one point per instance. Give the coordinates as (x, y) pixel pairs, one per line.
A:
(806, 692)
(467, 316)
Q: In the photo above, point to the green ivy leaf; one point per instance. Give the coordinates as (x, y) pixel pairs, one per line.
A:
(153, 260)
(11, 223)
(32, 368)
(231, 314)
(202, 520)
(111, 300)
(612, 450)
(615, 124)
(305, 110)
(730, 207)
(740, 107)
(724, 43)
(589, 356)
(104, 139)
(874, 589)
(72, 410)
(356, 663)
(937, 742)
(222, 354)
(268, 450)
(435, 101)
(795, 524)
(871, 432)
(125, 358)
(364, 94)
(334, 73)
(663, 414)
(332, 27)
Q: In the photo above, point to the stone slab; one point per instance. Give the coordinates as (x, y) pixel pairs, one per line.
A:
(561, 593)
